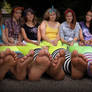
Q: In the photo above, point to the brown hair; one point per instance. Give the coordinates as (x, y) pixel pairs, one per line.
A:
(32, 12)
(13, 11)
(46, 14)
(73, 23)
(90, 28)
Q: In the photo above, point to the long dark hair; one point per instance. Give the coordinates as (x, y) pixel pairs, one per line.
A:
(90, 27)
(19, 21)
(72, 26)
(35, 20)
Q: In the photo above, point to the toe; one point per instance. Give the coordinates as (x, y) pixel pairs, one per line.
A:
(8, 51)
(2, 54)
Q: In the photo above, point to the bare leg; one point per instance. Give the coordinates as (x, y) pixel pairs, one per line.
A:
(39, 66)
(20, 71)
(7, 62)
(56, 70)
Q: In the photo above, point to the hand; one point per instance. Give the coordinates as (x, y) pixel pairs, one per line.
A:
(71, 43)
(54, 42)
(81, 43)
(11, 40)
(87, 42)
(20, 43)
(37, 43)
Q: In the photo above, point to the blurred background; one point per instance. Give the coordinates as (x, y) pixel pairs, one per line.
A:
(79, 6)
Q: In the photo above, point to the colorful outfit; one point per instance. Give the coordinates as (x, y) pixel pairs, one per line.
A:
(87, 36)
(86, 51)
(13, 31)
(86, 32)
(31, 32)
(67, 33)
(3, 28)
(51, 34)
(13, 28)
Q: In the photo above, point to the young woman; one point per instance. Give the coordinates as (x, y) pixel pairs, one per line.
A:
(7, 57)
(69, 30)
(69, 34)
(86, 38)
(13, 26)
(50, 41)
(30, 29)
(31, 37)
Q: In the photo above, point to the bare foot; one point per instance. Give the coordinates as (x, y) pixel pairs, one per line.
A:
(56, 70)
(40, 65)
(90, 69)
(7, 62)
(78, 64)
(81, 43)
(22, 64)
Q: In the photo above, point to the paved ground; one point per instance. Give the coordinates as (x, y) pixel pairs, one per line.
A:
(46, 84)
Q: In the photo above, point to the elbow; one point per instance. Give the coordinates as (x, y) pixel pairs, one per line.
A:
(26, 39)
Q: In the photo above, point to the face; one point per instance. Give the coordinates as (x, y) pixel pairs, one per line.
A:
(52, 16)
(29, 16)
(17, 14)
(69, 17)
(89, 16)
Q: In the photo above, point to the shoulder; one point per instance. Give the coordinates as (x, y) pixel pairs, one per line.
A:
(63, 23)
(82, 23)
(44, 22)
(23, 26)
(37, 25)
(77, 24)
(58, 23)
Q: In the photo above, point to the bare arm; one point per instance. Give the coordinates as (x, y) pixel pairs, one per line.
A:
(61, 33)
(39, 34)
(43, 30)
(25, 36)
(81, 35)
(58, 36)
(19, 38)
(4, 38)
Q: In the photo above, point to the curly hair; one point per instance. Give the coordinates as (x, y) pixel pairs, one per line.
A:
(46, 14)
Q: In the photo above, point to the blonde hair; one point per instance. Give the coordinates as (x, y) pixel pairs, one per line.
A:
(46, 14)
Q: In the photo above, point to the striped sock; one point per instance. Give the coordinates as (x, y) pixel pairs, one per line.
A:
(67, 64)
(88, 55)
(36, 51)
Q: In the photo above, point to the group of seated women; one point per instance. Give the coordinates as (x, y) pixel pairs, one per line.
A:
(28, 48)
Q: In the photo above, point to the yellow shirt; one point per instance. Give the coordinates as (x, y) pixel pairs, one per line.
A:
(51, 33)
